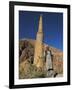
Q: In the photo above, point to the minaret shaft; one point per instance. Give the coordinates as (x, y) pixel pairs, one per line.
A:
(38, 55)
(40, 25)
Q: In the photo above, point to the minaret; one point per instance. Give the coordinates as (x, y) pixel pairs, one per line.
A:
(38, 55)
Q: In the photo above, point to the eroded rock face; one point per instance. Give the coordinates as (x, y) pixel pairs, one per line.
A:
(24, 70)
(58, 64)
(26, 59)
(27, 52)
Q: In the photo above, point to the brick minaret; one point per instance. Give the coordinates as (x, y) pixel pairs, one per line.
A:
(38, 55)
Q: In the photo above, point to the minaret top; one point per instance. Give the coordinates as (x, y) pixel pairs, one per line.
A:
(40, 24)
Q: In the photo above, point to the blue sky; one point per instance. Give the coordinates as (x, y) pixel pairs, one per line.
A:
(52, 27)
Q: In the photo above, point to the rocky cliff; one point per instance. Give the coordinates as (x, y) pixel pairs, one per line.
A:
(26, 58)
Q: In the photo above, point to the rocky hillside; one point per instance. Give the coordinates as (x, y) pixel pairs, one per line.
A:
(26, 55)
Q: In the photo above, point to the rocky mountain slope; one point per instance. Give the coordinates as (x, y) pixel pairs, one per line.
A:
(26, 57)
